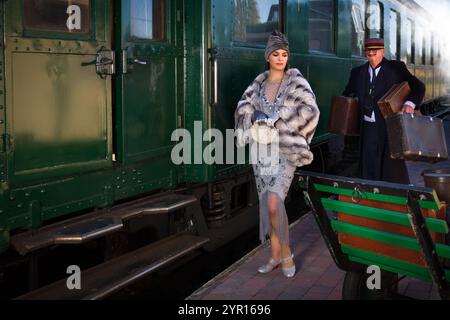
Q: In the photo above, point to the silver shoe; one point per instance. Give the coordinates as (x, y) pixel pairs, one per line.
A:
(288, 272)
(269, 266)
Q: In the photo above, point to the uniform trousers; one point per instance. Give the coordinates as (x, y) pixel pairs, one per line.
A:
(376, 162)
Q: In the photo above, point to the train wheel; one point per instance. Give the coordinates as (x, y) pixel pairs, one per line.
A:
(355, 286)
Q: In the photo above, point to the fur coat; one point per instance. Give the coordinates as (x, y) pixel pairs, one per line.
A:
(299, 116)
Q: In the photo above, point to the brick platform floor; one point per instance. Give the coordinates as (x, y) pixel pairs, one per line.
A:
(317, 276)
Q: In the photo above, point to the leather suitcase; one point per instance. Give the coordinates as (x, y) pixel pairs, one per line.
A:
(392, 102)
(385, 249)
(344, 116)
(416, 138)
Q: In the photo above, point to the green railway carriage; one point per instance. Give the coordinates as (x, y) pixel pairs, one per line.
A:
(91, 92)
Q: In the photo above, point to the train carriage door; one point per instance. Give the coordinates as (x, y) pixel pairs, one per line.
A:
(152, 56)
(58, 62)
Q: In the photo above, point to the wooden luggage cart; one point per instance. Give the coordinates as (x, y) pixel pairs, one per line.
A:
(401, 229)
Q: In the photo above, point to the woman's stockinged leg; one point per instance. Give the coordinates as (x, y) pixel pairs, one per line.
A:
(280, 248)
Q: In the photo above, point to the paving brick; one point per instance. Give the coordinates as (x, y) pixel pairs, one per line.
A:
(331, 280)
(294, 293)
(216, 296)
(336, 294)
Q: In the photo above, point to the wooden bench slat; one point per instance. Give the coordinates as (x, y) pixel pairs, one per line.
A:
(433, 205)
(380, 236)
(434, 225)
(387, 263)
(442, 250)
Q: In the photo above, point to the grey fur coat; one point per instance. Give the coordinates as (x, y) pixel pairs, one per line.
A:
(299, 116)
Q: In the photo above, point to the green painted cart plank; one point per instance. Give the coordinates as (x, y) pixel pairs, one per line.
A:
(443, 251)
(434, 205)
(409, 243)
(434, 225)
(387, 263)
(393, 239)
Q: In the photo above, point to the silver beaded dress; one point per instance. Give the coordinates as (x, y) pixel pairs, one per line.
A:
(273, 177)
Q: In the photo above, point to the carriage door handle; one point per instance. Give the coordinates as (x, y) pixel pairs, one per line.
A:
(141, 62)
(126, 61)
(104, 63)
(215, 70)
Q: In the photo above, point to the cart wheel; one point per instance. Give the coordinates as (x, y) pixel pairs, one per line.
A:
(355, 286)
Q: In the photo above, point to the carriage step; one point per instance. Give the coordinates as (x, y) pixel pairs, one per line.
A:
(74, 233)
(116, 274)
(98, 224)
(161, 205)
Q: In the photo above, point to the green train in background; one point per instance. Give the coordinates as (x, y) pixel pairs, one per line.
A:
(91, 92)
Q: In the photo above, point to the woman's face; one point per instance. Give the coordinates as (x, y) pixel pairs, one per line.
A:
(278, 60)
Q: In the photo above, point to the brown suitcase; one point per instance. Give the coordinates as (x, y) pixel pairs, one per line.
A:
(392, 102)
(416, 138)
(344, 116)
(385, 249)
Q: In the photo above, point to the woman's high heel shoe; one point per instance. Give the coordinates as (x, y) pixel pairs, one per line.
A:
(269, 266)
(288, 272)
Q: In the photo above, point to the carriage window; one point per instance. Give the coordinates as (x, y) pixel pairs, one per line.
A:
(410, 54)
(433, 50)
(375, 20)
(255, 20)
(68, 16)
(358, 30)
(321, 25)
(148, 19)
(428, 57)
(394, 35)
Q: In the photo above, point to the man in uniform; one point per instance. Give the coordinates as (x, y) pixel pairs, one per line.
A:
(369, 83)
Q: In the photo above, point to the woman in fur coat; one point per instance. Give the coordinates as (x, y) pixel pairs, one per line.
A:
(279, 101)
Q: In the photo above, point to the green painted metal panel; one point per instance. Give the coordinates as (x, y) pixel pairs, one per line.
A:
(59, 112)
(297, 25)
(326, 87)
(389, 238)
(435, 225)
(344, 29)
(149, 92)
(4, 140)
(4, 239)
(198, 82)
(378, 197)
(72, 127)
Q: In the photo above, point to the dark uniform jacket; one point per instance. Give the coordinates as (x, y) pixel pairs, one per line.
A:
(392, 72)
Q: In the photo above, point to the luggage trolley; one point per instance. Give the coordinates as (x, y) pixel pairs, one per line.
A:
(401, 229)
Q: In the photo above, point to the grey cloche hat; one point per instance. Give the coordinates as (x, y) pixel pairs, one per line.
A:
(276, 41)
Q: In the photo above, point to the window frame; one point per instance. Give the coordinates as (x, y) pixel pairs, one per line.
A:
(49, 34)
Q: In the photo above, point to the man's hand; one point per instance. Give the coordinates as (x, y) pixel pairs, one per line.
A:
(407, 109)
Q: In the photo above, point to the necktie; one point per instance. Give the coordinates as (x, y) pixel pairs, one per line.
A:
(374, 75)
